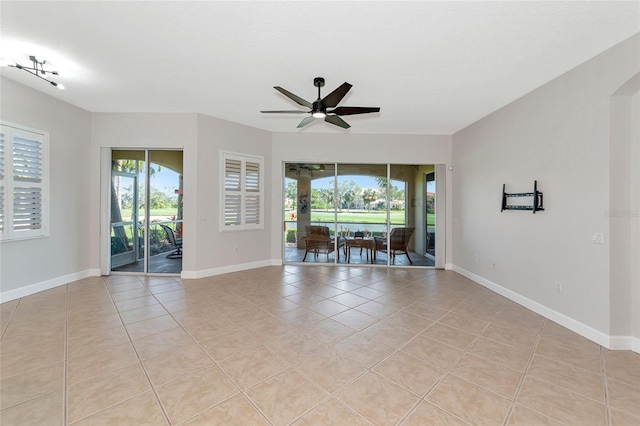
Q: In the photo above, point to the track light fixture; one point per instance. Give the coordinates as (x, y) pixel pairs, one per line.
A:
(37, 69)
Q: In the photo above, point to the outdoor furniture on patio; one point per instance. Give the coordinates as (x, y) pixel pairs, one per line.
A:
(319, 240)
(358, 240)
(175, 242)
(398, 241)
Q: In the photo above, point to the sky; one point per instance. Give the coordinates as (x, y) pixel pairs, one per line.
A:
(362, 181)
(166, 180)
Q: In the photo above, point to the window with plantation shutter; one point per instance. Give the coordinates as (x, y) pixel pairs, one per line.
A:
(242, 195)
(23, 183)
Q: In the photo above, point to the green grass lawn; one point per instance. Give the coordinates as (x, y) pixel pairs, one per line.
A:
(357, 216)
(126, 213)
(361, 216)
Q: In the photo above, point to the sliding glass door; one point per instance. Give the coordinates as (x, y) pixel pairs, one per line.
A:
(361, 211)
(310, 214)
(146, 211)
(358, 214)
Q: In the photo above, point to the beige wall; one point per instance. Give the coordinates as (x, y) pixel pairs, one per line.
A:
(68, 252)
(559, 135)
(201, 138)
(143, 130)
(623, 188)
(635, 224)
(216, 250)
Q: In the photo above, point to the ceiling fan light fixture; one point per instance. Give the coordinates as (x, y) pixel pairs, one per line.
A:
(319, 108)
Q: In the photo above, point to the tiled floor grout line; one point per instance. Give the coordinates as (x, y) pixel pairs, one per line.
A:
(206, 353)
(447, 371)
(605, 385)
(144, 370)
(421, 399)
(524, 374)
(11, 318)
(290, 365)
(333, 395)
(224, 373)
(65, 396)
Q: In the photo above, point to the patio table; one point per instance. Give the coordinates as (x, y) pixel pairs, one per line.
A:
(364, 243)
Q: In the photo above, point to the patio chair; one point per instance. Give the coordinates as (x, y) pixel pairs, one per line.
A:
(175, 242)
(398, 242)
(319, 240)
(359, 235)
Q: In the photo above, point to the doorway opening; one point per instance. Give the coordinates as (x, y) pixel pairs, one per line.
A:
(146, 214)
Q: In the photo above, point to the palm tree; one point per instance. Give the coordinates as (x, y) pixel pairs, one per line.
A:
(368, 196)
(327, 196)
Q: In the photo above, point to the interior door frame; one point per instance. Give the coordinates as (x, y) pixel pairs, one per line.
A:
(441, 201)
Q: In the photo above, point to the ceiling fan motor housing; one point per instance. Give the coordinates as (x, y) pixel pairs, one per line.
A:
(318, 107)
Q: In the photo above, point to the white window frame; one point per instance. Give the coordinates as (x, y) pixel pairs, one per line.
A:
(9, 183)
(249, 194)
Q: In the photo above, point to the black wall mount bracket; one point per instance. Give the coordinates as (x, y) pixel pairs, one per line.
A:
(537, 204)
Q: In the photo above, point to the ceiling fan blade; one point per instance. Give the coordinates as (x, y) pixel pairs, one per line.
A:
(334, 119)
(333, 98)
(288, 111)
(295, 98)
(306, 121)
(347, 110)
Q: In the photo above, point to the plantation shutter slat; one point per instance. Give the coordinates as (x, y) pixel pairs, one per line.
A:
(27, 160)
(233, 175)
(252, 209)
(252, 183)
(2, 156)
(27, 209)
(233, 198)
(242, 194)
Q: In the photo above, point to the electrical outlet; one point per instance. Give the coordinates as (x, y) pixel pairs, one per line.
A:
(475, 257)
(559, 287)
(493, 265)
(235, 249)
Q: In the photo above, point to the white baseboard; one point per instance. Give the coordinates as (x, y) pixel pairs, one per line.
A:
(231, 268)
(625, 343)
(609, 342)
(7, 296)
(449, 266)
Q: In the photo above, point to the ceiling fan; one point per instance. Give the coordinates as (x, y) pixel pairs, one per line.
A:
(318, 109)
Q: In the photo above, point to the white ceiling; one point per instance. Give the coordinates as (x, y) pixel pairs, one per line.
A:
(432, 67)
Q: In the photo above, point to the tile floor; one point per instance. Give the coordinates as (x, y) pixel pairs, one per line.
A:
(302, 345)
